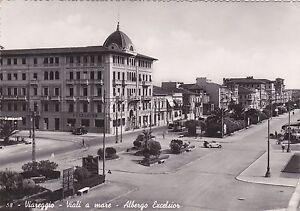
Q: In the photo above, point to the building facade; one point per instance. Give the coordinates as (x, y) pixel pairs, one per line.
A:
(79, 86)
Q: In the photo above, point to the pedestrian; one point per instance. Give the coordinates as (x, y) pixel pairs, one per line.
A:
(83, 144)
(276, 134)
(293, 112)
(163, 135)
(282, 147)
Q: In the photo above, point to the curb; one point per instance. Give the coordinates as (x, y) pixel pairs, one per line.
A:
(295, 199)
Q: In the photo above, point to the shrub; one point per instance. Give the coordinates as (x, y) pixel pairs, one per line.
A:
(137, 144)
(81, 174)
(175, 147)
(47, 165)
(30, 166)
(154, 147)
(110, 151)
(28, 184)
(10, 180)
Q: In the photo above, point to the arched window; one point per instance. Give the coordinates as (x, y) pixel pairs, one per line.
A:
(46, 75)
(51, 75)
(56, 75)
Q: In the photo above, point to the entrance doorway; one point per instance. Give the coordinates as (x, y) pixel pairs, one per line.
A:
(56, 123)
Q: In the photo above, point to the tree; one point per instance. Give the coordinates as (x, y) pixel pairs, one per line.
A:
(81, 174)
(192, 125)
(47, 165)
(30, 166)
(10, 180)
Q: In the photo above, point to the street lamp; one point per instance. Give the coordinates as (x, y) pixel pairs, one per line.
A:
(104, 131)
(289, 129)
(268, 173)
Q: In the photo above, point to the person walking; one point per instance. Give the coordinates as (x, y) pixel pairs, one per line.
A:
(83, 143)
(282, 147)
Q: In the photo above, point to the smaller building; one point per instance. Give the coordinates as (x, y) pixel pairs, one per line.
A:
(249, 98)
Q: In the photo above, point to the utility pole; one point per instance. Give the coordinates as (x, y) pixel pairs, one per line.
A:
(104, 126)
(268, 173)
(33, 137)
(289, 129)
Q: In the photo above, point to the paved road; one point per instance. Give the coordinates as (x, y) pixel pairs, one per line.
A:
(61, 143)
(208, 183)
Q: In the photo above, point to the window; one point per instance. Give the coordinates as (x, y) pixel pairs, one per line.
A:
(46, 60)
(45, 92)
(71, 76)
(46, 75)
(34, 60)
(71, 60)
(99, 123)
(15, 91)
(85, 122)
(92, 75)
(99, 75)
(23, 91)
(1, 76)
(8, 61)
(8, 91)
(99, 108)
(35, 76)
(15, 61)
(51, 75)
(99, 91)
(15, 107)
(71, 122)
(56, 75)
(9, 76)
(85, 107)
(23, 60)
(57, 107)
(51, 60)
(99, 59)
(114, 75)
(56, 60)
(119, 76)
(23, 76)
(35, 91)
(71, 90)
(71, 108)
(56, 91)
(15, 76)
(85, 60)
(46, 107)
(92, 59)
(85, 91)
(78, 75)
(78, 59)
(24, 107)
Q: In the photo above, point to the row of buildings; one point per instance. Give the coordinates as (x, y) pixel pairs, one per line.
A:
(112, 85)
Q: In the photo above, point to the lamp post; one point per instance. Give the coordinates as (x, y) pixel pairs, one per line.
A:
(104, 131)
(289, 129)
(268, 173)
(33, 136)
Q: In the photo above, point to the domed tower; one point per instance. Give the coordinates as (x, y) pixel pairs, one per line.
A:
(118, 40)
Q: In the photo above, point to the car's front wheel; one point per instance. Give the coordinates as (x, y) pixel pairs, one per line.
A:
(220, 146)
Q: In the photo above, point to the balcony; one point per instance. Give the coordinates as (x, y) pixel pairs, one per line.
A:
(116, 82)
(146, 98)
(70, 98)
(14, 97)
(146, 83)
(45, 98)
(133, 98)
(97, 98)
(34, 82)
(55, 98)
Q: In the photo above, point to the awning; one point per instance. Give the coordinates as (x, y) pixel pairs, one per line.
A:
(170, 101)
(294, 124)
(11, 118)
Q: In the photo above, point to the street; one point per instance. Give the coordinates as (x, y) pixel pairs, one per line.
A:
(204, 179)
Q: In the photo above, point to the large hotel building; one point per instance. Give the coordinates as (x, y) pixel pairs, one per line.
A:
(66, 86)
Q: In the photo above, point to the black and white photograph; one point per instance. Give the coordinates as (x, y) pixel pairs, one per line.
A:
(149, 105)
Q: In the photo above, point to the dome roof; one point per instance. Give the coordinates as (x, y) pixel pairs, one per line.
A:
(118, 40)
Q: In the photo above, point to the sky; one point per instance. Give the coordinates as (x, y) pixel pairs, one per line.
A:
(189, 39)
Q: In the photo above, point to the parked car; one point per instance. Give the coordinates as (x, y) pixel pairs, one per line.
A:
(27, 142)
(79, 131)
(212, 144)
